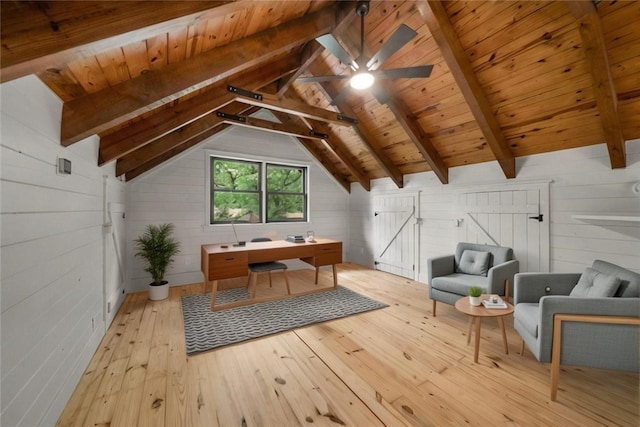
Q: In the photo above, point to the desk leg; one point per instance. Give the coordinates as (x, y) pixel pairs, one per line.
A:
(504, 335)
(214, 291)
(317, 271)
(476, 350)
(335, 277)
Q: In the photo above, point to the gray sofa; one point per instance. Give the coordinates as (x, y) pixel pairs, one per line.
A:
(489, 267)
(538, 297)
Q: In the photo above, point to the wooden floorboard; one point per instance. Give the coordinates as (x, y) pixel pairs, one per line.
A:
(391, 367)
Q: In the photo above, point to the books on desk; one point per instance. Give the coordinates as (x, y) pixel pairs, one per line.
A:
(295, 239)
(494, 303)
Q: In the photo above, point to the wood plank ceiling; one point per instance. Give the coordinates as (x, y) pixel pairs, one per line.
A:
(509, 78)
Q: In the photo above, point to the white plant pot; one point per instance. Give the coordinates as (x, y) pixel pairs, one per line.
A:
(476, 301)
(157, 293)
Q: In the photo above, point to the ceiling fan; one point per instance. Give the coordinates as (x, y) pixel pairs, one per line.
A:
(366, 70)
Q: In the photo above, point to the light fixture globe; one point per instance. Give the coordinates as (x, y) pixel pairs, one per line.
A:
(361, 81)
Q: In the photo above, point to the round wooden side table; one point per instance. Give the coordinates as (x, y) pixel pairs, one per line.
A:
(476, 313)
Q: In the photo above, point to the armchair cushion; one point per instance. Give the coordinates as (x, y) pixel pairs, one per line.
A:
(595, 284)
(459, 283)
(474, 262)
(529, 315)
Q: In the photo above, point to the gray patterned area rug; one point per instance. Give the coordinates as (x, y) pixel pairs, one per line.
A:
(205, 329)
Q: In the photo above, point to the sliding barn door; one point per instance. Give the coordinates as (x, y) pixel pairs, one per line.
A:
(114, 233)
(396, 231)
(514, 217)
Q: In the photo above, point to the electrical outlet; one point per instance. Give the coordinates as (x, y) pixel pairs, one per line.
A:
(93, 324)
(109, 307)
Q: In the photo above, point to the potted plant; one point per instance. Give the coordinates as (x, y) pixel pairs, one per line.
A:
(157, 247)
(474, 295)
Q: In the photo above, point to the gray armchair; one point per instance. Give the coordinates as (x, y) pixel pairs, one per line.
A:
(490, 267)
(599, 332)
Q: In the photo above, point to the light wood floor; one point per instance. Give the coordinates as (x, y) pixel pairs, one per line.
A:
(395, 366)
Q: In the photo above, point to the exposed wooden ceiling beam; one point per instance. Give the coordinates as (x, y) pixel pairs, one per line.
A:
(435, 17)
(151, 163)
(345, 14)
(111, 106)
(289, 129)
(317, 153)
(301, 109)
(69, 30)
(310, 52)
(366, 137)
(130, 138)
(332, 142)
(604, 91)
(179, 137)
(173, 139)
(414, 131)
(333, 146)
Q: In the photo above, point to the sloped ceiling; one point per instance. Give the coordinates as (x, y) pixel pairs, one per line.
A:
(509, 78)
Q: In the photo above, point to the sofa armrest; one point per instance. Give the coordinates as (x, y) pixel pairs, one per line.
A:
(440, 266)
(530, 287)
(501, 272)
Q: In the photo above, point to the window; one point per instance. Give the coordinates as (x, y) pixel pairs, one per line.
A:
(242, 190)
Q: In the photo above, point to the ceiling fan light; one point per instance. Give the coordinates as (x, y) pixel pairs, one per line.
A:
(361, 81)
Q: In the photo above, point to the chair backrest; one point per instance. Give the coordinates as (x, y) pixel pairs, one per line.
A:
(630, 285)
(499, 254)
(261, 239)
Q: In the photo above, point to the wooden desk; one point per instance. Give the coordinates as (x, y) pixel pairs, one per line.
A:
(233, 261)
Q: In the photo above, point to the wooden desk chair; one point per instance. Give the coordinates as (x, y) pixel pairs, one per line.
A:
(261, 267)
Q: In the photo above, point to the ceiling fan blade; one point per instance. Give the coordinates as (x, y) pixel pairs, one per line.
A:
(404, 73)
(398, 39)
(315, 79)
(380, 94)
(341, 96)
(331, 44)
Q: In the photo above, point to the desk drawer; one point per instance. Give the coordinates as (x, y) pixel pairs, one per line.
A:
(226, 266)
(330, 253)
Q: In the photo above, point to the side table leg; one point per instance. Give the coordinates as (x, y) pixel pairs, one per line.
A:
(470, 324)
(504, 334)
(476, 350)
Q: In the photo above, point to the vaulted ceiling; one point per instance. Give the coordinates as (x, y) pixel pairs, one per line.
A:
(509, 78)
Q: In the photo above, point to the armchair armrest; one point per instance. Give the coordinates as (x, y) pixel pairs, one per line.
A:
(530, 287)
(558, 304)
(498, 274)
(440, 266)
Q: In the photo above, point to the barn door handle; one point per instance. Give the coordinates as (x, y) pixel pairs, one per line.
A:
(539, 217)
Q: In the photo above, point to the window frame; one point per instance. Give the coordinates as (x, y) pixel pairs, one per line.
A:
(304, 193)
(263, 161)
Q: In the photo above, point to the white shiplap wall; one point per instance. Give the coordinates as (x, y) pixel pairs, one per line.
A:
(51, 260)
(176, 193)
(583, 183)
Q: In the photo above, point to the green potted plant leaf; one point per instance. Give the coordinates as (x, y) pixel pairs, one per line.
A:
(474, 295)
(157, 247)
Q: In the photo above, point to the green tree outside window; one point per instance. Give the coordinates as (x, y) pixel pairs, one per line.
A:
(237, 192)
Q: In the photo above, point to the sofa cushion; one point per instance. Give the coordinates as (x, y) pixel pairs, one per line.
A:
(459, 284)
(474, 262)
(594, 284)
(528, 314)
